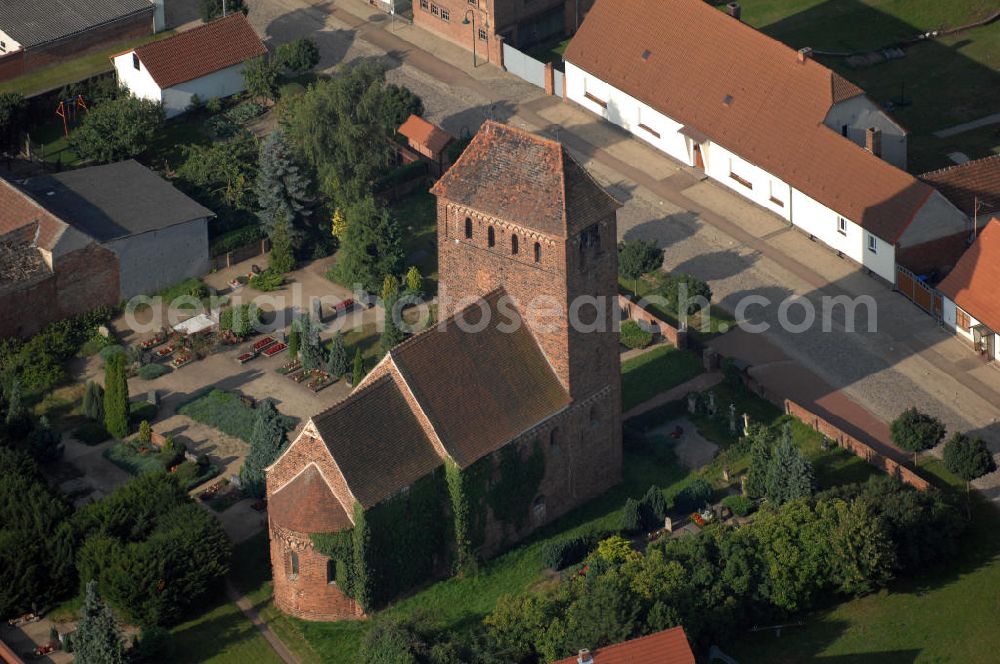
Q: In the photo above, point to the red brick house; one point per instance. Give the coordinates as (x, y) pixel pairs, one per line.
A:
(49, 270)
(492, 383)
(667, 647)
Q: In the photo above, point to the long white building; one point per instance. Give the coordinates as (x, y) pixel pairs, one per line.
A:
(769, 122)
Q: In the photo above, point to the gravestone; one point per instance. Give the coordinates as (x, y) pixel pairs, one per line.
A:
(711, 403)
(104, 331)
(743, 485)
(746, 424)
(316, 309)
(725, 473)
(732, 418)
(668, 524)
(692, 402)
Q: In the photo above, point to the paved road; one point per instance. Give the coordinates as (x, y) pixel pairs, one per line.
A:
(739, 248)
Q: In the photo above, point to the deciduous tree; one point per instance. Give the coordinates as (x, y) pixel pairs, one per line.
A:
(117, 129)
(968, 457)
(638, 257)
(915, 431)
(371, 248)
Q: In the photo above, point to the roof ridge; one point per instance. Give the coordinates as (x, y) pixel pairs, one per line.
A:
(148, 46)
(954, 167)
(423, 334)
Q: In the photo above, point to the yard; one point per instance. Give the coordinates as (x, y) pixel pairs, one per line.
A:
(656, 371)
(943, 81)
(225, 411)
(417, 215)
(650, 285)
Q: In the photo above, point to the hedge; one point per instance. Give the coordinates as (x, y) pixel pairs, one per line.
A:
(632, 335)
(236, 238)
(152, 371)
(738, 505)
(91, 433)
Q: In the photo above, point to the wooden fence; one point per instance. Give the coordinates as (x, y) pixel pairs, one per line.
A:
(241, 254)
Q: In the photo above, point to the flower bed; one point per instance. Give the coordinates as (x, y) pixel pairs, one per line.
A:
(318, 380)
(165, 352)
(343, 307)
(243, 358)
(153, 341)
(299, 376)
(289, 367)
(261, 344)
(183, 358)
(274, 349)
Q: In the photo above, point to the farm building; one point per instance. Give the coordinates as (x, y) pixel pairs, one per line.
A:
(426, 140)
(971, 307)
(206, 62)
(667, 647)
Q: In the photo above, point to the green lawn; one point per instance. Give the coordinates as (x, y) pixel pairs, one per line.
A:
(73, 70)
(656, 371)
(417, 215)
(221, 635)
(226, 412)
(947, 81)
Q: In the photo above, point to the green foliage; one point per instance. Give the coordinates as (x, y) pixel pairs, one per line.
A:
(145, 432)
(242, 319)
(268, 280)
(282, 186)
(266, 443)
(36, 558)
(311, 351)
(116, 403)
(760, 459)
(152, 371)
(512, 493)
(118, 129)
(212, 9)
(968, 457)
(358, 370)
(390, 290)
(687, 290)
(12, 116)
(371, 247)
(789, 473)
(631, 517)
(638, 257)
(632, 335)
(738, 505)
(97, 639)
(236, 238)
(220, 176)
(414, 281)
(192, 290)
(113, 349)
(694, 496)
(260, 75)
(560, 554)
(915, 431)
(152, 551)
(91, 433)
(226, 412)
(154, 644)
(294, 342)
(298, 55)
(467, 493)
(392, 335)
(281, 259)
(337, 364)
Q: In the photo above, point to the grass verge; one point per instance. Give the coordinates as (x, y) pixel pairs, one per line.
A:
(656, 371)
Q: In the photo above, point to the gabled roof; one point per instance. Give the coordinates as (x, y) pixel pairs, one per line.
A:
(667, 647)
(19, 211)
(307, 505)
(115, 200)
(376, 441)
(35, 22)
(532, 181)
(425, 133)
(973, 283)
(750, 94)
(963, 184)
(479, 384)
(204, 50)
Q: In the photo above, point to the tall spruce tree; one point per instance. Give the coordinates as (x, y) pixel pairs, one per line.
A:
(358, 371)
(266, 443)
(337, 364)
(310, 347)
(116, 396)
(282, 186)
(392, 335)
(760, 458)
(97, 639)
(789, 474)
(282, 258)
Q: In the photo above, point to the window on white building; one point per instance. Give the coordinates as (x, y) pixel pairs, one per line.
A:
(135, 61)
(841, 225)
(742, 180)
(775, 195)
(872, 243)
(592, 97)
(645, 127)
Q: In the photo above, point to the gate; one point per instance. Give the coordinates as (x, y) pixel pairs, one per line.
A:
(524, 66)
(918, 292)
(558, 87)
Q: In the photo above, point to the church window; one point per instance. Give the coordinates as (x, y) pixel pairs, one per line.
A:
(538, 252)
(293, 565)
(491, 237)
(513, 244)
(331, 571)
(468, 228)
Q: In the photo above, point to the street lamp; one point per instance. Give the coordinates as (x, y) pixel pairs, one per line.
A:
(466, 21)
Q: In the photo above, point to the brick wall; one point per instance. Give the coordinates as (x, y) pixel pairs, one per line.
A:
(455, 31)
(632, 311)
(67, 49)
(855, 446)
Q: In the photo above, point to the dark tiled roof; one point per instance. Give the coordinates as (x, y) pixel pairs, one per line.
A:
(35, 22)
(423, 132)
(201, 51)
(667, 647)
(964, 183)
(115, 200)
(479, 388)
(520, 177)
(307, 505)
(700, 57)
(376, 441)
(972, 285)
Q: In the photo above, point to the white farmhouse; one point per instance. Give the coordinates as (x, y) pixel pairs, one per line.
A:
(971, 307)
(206, 61)
(769, 122)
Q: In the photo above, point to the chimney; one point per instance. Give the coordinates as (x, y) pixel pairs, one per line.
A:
(584, 657)
(873, 141)
(805, 54)
(734, 10)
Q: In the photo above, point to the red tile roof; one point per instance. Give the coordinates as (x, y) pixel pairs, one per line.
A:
(201, 51)
(699, 56)
(667, 647)
(18, 210)
(964, 183)
(424, 133)
(972, 285)
(517, 176)
(307, 505)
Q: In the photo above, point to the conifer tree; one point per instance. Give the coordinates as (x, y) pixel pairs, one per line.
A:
(789, 474)
(414, 282)
(116, 406)
(282, 187)
(310, 348)
(358, 373)
(337, 364)
(93, 401)
(294, 342)
(392, 335)
(281, 259)
(266, 443)
(97, 639)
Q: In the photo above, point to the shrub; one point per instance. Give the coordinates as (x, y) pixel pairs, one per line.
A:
(93, 401)
(299, 55)
(113, 349)
(291, 91)
(694, 496)
(268, 280)
(631, 516)
(145, 432)
(633, 336)
(152, 371)
(686, 289)
(172, 453)
(653, 508)
(738, 505)
(968, 457)
(213, 105)
(242, 320)
(91, 433)
(190, 474)
(237, 238)
(560, 554)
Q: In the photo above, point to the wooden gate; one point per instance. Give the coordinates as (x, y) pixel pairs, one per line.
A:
(918, 292)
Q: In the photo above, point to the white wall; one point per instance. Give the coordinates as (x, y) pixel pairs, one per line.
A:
(948, 318)
(10, 44)
(859, 113)
(937, 218)
(765, 190)
(222, 83)
(138, 81)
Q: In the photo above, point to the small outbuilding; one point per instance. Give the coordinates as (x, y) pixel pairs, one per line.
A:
(970, 306)
(428, 141)
(206, 62)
